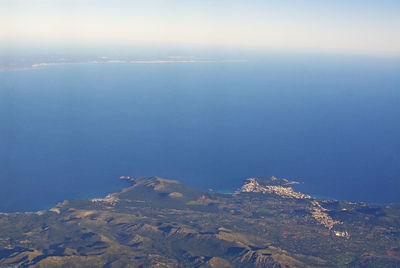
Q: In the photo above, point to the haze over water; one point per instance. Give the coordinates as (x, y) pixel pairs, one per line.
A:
(331, 122)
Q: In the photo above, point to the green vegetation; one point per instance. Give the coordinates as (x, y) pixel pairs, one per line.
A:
(159, 222)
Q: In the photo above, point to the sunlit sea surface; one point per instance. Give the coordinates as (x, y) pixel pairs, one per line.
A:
(332, 123)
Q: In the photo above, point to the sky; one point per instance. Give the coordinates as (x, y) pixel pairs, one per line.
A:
(366, 26)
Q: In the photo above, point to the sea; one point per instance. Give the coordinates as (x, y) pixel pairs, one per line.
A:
(330, 122)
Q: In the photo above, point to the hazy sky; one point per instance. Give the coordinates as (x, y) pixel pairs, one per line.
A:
(353, 25)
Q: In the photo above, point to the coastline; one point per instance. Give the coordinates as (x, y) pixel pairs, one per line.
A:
(34, 66)
(106, 195)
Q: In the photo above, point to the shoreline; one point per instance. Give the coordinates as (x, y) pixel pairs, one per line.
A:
(35, 66)
(128, 179)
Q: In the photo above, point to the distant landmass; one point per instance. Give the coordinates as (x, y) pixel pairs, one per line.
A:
(156, 222)
(12, 64)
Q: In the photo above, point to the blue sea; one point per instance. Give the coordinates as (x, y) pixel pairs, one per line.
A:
(331, 122)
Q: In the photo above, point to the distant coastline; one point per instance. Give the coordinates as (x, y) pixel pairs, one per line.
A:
(103, 60)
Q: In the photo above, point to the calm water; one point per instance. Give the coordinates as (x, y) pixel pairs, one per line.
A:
(70, 131)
